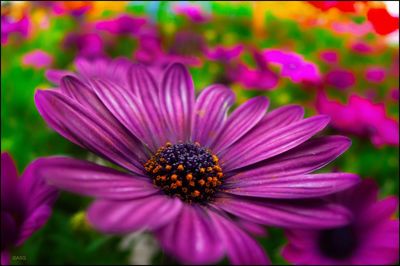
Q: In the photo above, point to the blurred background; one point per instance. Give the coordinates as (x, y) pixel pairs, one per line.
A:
(339, 58)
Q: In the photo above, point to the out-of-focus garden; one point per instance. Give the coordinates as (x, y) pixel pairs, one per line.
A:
(339, 58)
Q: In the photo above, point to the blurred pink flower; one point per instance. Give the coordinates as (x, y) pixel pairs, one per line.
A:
(371, 238)
(329, 56)
(361, 47)
(8, 26)
(89, 45)
(26, 204)
(263, 79)
(223, 53)
(186, 49)
(123, 24)
(193, 12)
(293, 65)
(37, 59)
(375, 74)
(352, 28)
(340, 78)
(361, 117)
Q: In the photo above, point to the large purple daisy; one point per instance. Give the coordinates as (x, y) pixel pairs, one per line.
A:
(190, 172)
(370, 238)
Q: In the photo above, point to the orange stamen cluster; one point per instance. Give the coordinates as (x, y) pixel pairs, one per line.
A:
(187, 171)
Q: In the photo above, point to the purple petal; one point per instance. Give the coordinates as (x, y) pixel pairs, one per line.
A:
(257, 145)
(93, 180)
(210, 113)
(305, 158)
(241, 121)
(252, 228)
(9, 230)
(127, 216)
(9, 179)
(37, 218)
(126, 109)
(191, 238)
(281, 117)
(55, 75)
(289, 214)
(84, 128)
(85, 96)
(240, 247)
(295, 187)
(177, 102)
(383, 245)
(34, 191)
(380, 211)
(5, 257)
(144, 87)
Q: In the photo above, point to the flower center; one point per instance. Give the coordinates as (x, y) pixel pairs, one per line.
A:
(338, 243)
(187, 171)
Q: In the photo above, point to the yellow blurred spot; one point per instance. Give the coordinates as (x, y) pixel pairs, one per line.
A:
(283, 98)
(79, 222)
(210, 35)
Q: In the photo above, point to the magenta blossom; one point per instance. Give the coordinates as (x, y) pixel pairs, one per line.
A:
(361, 117)
(394, 94)
(191, 173)
(9, 26)
(123, 24)
(371, 237)
(193, 12)
(353, 28)
(37, 59)
(329, 56)
(186, 49)
(361, 48)
(375, 74)
(224, 54)
(262, 79)
(340, 79)
(89, 45)
(26, 204)
(293, 65)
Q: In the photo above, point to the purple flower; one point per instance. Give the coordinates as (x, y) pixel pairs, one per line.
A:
(293, 65)
(89, 45)
(329, 56)
(394, 94)
(26, 204)
(9, 26)
(361, 47)
(375, 74)
(192, 12)
(191, 171)
(262, 79)
(185, 49)
(123, 24)
(340, 79)
(37, 59)
(361, 117)
(224, 54)
(371, 237)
